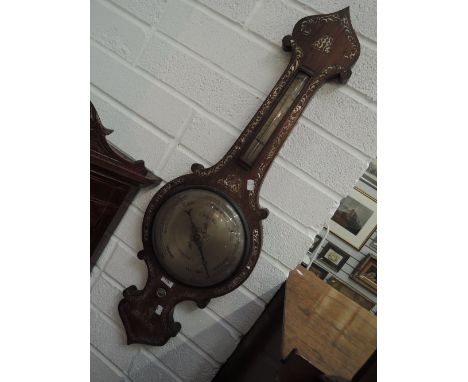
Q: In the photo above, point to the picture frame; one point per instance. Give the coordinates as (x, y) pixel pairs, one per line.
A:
(351, 293)
(365, 273)
(370, 176)
(333, 257)
(355, 220)
(373, 242)
(318, 271)
(317, 240)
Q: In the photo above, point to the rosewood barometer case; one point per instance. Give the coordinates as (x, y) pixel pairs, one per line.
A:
(202, 232)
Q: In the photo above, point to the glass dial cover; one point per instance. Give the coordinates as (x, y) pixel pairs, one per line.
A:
(199, 236)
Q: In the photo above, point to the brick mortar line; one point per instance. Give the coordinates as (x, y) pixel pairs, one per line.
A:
(141, 215)
(113, 242)
(357, 95)
(126, 14)
(209, 64)
(105, 318)
(286, 164)
(255, 37)
(112, 281)
(252, 296)
(248, 19)
(200, 351)
(135, 210)
(278, 260)
(198, 158)
(210, 312)
(368, 42)
(156, 81)
(276, 263)
(220, 319)
(196, 106)
(233, 332)
(174, 144)
(160, 363)
(280, 267)
(234, 25)
(108, 362)
(292, 221)
(337, 141)
(287, 219)
(231, 130)
(187, 342)
(118, 285)
(150, 30)
(132, 114)
(130, 17)
(133, 250)
(95, 278)
(188, 151)
(310, 180)
(265, 301)
(164, 86)
(143, 209)
(148, 35)
(224, 20)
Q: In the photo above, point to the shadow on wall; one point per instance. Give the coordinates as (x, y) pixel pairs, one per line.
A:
(185, 359)
(207, 339)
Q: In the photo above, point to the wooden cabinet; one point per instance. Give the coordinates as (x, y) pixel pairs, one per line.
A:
(335, 334)
(115, 180)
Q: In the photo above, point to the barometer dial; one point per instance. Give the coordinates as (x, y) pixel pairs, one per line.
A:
(199, 236)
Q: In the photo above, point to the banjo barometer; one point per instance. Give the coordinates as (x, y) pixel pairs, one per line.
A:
(202, 232)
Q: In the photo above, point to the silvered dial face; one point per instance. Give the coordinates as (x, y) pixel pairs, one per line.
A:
(199, 236)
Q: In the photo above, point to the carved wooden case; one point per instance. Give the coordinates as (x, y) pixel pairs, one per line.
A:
(323, 47)
(115, 180)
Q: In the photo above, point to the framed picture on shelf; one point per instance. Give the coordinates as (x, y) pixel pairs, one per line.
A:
(350, 293)
(366, 273)
(370, 176)
(373, 242)
(355, 219)
(317, 240)
(318, 271)
(333, 257)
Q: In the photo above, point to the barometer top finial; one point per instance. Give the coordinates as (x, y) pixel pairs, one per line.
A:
(326, 41)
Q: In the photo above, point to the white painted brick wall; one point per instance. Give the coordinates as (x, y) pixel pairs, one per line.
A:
(177, 81)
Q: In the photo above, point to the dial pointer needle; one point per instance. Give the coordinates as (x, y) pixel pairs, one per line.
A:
(197, 239)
